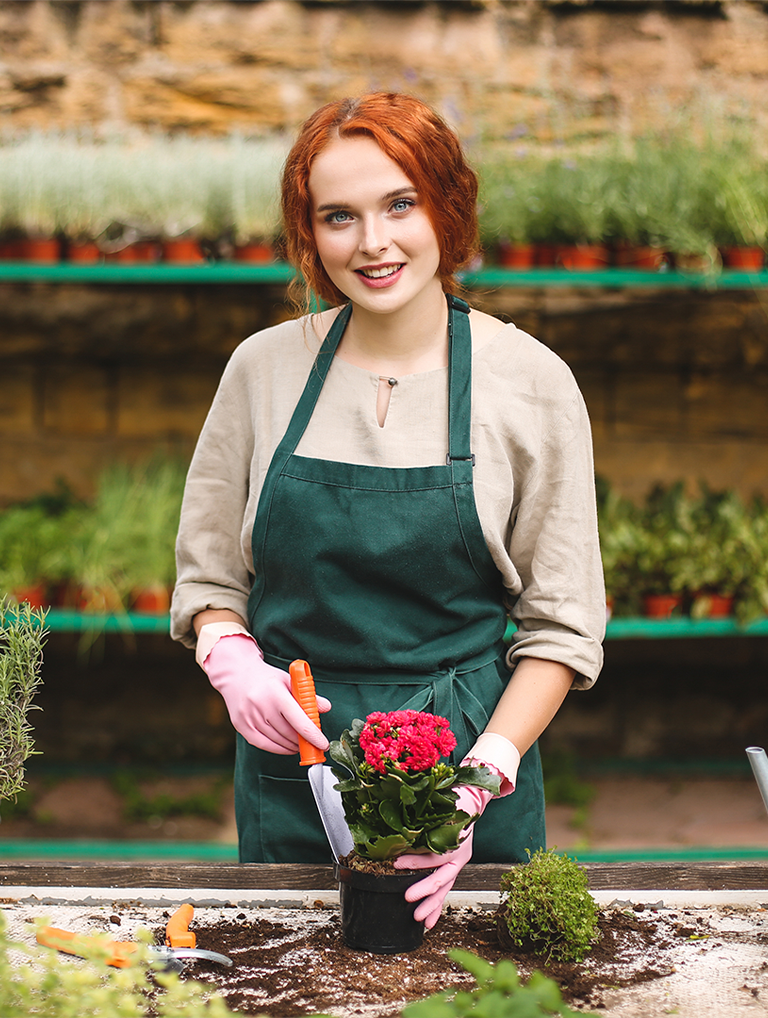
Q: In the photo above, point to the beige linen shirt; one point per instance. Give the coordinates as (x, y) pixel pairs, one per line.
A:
(533, 476)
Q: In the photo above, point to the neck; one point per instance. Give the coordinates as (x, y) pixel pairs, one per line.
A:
(404, 342)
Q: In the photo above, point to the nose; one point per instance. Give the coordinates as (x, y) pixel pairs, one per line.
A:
(374, 237)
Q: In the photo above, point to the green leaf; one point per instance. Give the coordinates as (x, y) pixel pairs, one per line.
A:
(443, 839)
(390, 814)
(481, 969)
(407, 795)
(479, 777)
(385, 848)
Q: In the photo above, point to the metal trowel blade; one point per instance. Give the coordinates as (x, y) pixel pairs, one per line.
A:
(329, 805)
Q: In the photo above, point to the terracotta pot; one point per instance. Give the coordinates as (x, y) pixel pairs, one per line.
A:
(45, 251)
(11, 250)
(84, 254)
(35, 595)
(185, 251)
(255, 253)
(750, 258)
(712, 606)
(375, 916)
(580, 257)
(545, 254)
(516, 256)
(661, 606)
(142, 251)
(154, 600)
(640, 257)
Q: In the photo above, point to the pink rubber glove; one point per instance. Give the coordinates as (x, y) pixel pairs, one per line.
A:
(431, 892)
(258, 697)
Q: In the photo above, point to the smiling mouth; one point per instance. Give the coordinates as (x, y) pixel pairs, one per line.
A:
(387, 270)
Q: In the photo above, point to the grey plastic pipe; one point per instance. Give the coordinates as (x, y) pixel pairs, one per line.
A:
(759, 763)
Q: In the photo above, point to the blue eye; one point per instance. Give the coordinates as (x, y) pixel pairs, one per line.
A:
(339, 216)
(402, 205)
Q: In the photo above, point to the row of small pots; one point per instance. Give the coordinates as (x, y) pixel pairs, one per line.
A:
(665, 606)
(189, 251)
(600, 256)
(184, 251)
(151, 600)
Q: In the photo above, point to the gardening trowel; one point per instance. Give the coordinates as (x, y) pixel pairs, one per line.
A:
(322, 779)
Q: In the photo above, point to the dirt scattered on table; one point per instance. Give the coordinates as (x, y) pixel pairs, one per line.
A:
(288, 970)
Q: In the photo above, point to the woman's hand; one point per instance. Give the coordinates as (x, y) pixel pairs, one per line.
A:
(431, 892)
(258, 697)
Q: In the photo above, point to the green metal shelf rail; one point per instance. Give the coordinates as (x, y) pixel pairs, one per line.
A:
(62, 620)
(281, 273)
(185, 851)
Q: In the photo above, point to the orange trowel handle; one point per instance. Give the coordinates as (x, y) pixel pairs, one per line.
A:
(113, 952)
(303, 689)
(177, 932)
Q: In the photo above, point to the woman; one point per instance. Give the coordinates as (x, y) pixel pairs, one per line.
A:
(377, 486)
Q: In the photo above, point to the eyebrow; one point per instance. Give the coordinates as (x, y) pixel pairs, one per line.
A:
(332, 206)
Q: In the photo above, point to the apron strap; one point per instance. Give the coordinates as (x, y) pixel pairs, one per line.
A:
(459, 381)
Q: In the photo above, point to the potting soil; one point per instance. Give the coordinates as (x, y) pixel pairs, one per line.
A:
(650, 960)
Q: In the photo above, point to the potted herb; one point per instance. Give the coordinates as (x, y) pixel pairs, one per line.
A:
(736, 194)
(152, 519)
(29, 542)
(664, 549)
(252, 184)
(722, 553)
(579, 192)
(31, 193)
(751, 597)
(399, 796)
(509, 206)
(619, 540)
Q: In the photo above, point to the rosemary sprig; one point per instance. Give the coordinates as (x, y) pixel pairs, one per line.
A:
(22, 638)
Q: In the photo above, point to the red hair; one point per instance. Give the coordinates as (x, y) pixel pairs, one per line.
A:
(428, 151)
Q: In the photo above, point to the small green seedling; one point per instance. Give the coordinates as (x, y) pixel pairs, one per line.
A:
(547, 908)
(500, 993)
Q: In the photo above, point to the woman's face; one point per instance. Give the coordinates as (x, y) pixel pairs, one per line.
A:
(373, 235)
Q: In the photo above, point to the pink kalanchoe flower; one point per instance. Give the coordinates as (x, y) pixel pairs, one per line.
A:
(408, 739)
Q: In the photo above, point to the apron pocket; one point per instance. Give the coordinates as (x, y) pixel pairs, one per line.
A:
(289, 824)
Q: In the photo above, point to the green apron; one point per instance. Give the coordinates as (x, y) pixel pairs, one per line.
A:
(381, 578)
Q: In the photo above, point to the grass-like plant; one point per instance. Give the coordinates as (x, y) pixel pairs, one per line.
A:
(499, 991)
(22, 638)
(547, 909)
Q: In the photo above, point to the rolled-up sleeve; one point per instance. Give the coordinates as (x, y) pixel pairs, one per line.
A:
(213, 570)
(559, 613)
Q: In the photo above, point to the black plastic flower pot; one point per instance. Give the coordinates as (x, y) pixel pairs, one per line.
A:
(375, 916)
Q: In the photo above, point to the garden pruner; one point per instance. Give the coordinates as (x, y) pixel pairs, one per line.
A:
(179, 945)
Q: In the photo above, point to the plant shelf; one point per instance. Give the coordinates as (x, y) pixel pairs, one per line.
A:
(281, 273)
(63, 620)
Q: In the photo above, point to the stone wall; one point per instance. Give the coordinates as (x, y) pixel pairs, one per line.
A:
(492, 66)
(676, 381)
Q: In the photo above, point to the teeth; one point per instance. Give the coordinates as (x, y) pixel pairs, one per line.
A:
(390, 270)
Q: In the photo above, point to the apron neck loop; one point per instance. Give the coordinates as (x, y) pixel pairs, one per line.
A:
(460, 457)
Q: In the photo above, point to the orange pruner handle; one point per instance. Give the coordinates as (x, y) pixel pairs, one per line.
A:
(177, 933)
(116, 953)
(303, 689)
